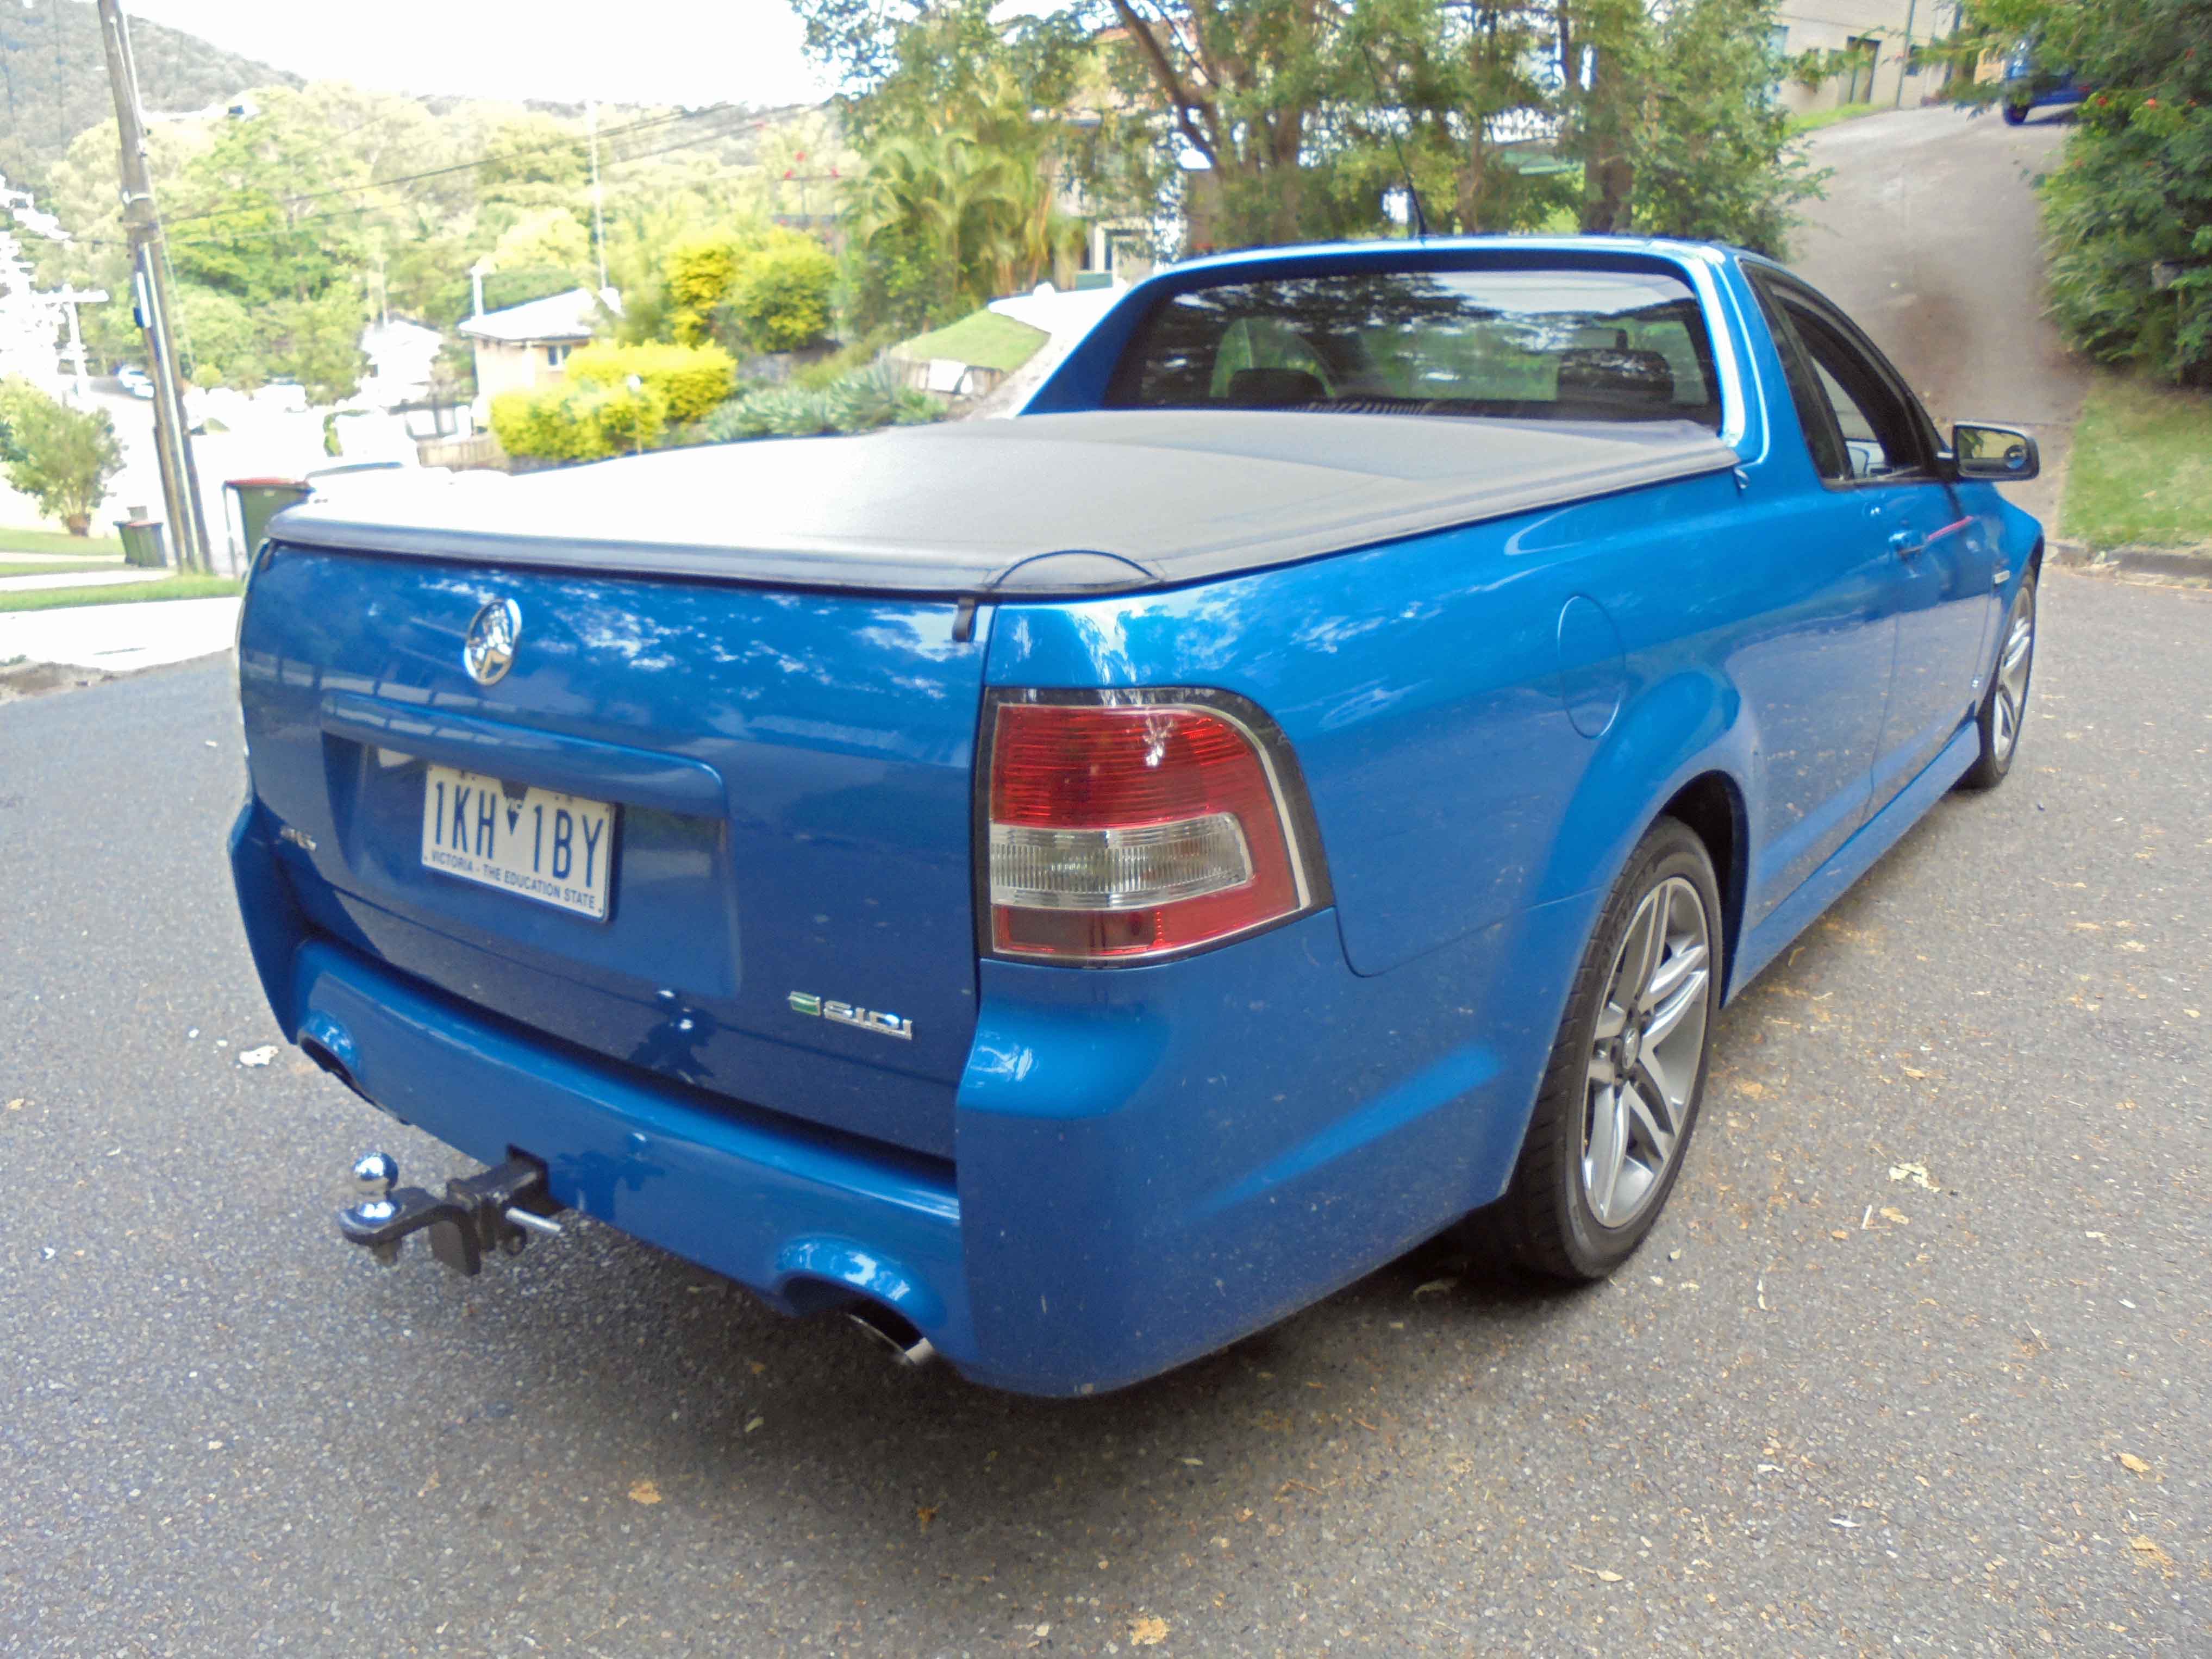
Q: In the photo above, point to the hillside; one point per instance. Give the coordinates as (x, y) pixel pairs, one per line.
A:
(53, 77)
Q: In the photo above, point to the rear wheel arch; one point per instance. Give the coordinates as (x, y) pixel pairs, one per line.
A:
(1711, 804)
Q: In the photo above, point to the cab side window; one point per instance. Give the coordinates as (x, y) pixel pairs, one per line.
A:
(1859, 427)
(1876, 427)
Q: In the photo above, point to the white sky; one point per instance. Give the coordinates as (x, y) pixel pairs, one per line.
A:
(638, 51)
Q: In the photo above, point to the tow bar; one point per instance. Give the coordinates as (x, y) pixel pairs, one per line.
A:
(497, 1210)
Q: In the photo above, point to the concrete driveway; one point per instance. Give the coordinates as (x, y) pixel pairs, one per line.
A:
(1928, 238)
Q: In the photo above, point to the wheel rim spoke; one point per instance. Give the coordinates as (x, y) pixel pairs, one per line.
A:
(1686, 991)
(1608, 1146)
(1650, 1117)
(1647, 1045)
(1647, 938)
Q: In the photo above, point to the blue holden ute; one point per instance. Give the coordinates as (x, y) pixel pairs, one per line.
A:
(1071, 890)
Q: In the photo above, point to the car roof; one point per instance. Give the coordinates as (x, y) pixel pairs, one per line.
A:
(1395, 250)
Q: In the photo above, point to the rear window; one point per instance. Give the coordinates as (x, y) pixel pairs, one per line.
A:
(1561, 345)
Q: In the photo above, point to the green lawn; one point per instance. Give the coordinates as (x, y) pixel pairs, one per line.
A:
(55, 567)
(56, 541)
(1828, 118)
(2141, 470)
(169, 587)
(985, 339)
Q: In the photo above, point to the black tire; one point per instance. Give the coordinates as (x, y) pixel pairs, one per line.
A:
(2014, 114)
(2003, 711)
(1549, 1220)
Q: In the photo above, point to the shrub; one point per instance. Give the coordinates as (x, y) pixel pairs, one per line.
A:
(62, 458)
(579, 422)
(861, 402)
(691, 379)
(748, 290)
(596, 413)
(2132, 202)
(780, 299)
(698, 273)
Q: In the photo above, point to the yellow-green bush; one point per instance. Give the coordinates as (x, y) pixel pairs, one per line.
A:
(691, 379)
(596, 413)
(767, 291)
(579, 422)
(781, 298)
(698, 270)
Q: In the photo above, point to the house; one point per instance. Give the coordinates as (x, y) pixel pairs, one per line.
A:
(527, 345)
(1873, 49)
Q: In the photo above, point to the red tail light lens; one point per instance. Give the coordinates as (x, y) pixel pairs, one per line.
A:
(1133, 829)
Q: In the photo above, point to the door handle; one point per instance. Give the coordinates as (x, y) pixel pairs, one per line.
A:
(1905, 544)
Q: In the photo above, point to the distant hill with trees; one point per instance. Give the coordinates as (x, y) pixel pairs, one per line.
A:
(53, 77)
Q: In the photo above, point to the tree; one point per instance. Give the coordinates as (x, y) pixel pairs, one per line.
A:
(1248, 85)
(1709, 162)
(223, 340)
(972, 133)
(250, 215)
(1292, 120)
(62, 458)
(2129, 208)
(548, 240)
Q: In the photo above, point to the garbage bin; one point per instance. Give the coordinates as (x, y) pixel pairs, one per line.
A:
(259, 500)
(143, 543)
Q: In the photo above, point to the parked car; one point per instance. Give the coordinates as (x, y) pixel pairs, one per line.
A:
(1073, 890)
(2029, 85)
(134, 381)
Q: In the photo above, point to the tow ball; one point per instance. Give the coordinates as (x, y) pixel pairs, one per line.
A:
(497, 1210)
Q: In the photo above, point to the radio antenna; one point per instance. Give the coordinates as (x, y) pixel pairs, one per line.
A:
(1418, 220)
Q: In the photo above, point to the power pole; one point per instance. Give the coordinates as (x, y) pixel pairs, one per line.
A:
(149, 284)
(599, 215)
(1911, 9)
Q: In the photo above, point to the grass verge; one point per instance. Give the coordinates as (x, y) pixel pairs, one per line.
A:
(1814, 120)
(2140, 475)
(983, 338)
(56, 541)
(55, 567)
(169, 587)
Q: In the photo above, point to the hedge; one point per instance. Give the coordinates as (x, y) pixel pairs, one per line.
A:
(599, 413)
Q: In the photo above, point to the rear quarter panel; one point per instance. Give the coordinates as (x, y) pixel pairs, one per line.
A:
(1425, 687)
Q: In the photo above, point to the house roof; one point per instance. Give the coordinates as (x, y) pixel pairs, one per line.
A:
(570, 316)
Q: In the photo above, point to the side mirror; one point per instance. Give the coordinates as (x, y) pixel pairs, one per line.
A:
(1993, 454)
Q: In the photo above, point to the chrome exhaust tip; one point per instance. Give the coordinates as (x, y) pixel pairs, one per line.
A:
(894, 1333)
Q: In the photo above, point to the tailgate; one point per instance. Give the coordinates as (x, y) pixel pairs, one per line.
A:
(780, 782)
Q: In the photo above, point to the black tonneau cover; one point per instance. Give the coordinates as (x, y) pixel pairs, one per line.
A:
(1065, 505)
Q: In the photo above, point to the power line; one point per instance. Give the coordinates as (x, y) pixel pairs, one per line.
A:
(688, 142)
(478, 161)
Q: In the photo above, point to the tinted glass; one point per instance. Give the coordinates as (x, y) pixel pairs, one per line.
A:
(1814, 412)
(1524, 344)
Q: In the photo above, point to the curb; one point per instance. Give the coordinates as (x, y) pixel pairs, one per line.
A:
(2184, 566)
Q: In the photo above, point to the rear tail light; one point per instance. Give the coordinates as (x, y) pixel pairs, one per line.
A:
(1124, 826)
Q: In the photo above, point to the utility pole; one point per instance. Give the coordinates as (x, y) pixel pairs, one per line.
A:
(149, 286)
(598, 216)
(1911, 8)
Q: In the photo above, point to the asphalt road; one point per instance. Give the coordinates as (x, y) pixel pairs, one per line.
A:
(1934, 1268)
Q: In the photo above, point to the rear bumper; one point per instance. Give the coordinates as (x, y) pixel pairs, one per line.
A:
(1150, 1163)
(794, 1214)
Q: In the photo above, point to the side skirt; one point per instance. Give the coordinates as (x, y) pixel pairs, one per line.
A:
(1853, 859)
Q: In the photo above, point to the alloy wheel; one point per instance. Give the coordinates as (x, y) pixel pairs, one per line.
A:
(2013, 668)
(1645, 1053)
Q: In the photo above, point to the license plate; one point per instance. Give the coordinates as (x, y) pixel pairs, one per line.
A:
(537, 843)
